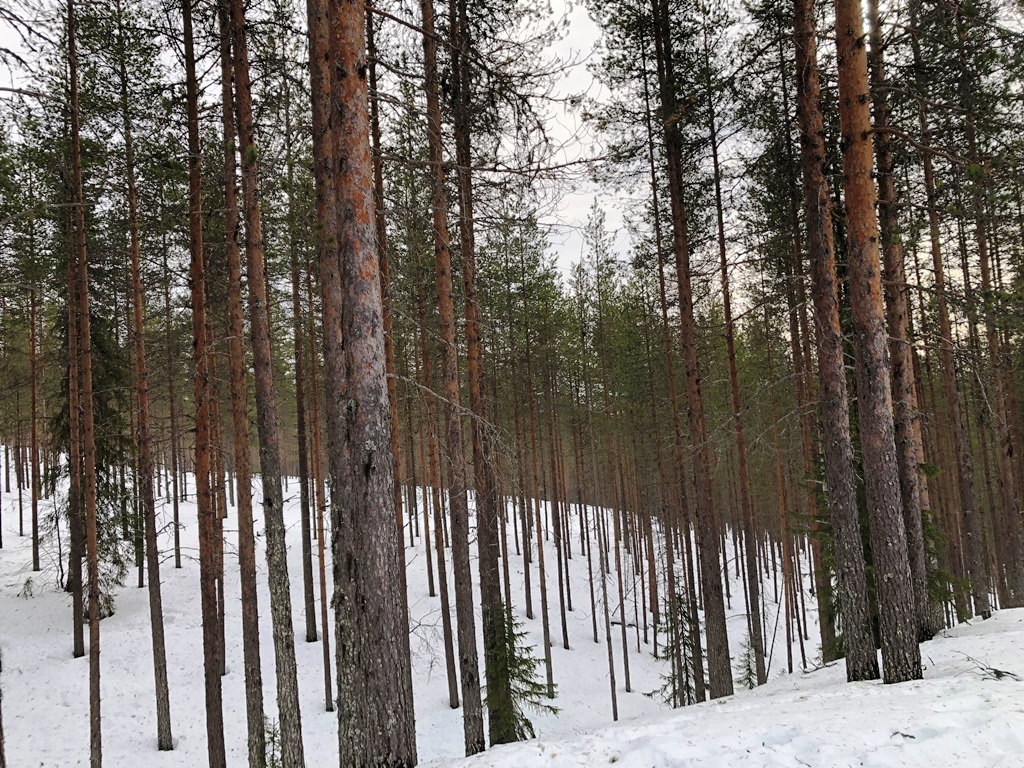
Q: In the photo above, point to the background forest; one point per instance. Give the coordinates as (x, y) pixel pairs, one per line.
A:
(289, 271)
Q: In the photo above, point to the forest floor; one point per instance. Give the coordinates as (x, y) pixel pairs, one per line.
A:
(968, 712)
(959, 715)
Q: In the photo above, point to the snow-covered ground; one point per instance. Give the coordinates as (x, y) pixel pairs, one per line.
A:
(804, 719)
(967, 712)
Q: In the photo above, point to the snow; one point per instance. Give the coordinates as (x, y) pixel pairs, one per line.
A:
(957, 714)
(966, 713)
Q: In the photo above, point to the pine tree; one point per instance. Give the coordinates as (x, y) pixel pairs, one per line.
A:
(375, 713)
(146, 465)
(240, 416)
(212, 659)
(719, 667)
(901, 658)
(267, 417)
(897, 322)
(81, 274)
(861, 661)
(458, 499)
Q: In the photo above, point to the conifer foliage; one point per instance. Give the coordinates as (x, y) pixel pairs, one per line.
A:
(317, 279)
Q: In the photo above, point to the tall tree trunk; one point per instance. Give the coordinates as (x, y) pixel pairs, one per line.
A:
(753, 582)
(785, 539)
(719, 663)
(500, 707)
(602, 548)
(254, 712)
(375, 712)
(299, 347)
(76, 517)
(321, 501)
(385, 262)
(897, 317)
(19, 455)
(1005, 449)
(555, 504)
(319, 23)
(3, 750)
(217, 473)
(472, 713)
(6, 471)
(267, 420)
(145, 443)
(427, 457)
(212, 663)
(172, 406)
(675, 639)
(861, 661)
(800, 346)
(88, 424)
(34, 424)
(956, 427)
(535, 494)
(933, 498)
(901, 657)
(435, 501)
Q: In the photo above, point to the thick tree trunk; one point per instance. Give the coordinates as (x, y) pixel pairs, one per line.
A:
(375, 712)
(861, 661)
(897, 317)
(254, 712)
(901, 657)
(385, 262)
(799, 333)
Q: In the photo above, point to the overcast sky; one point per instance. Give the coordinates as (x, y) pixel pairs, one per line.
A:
(569, 208)
(572, 207)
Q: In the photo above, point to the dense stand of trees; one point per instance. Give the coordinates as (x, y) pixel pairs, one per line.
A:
(802, 347)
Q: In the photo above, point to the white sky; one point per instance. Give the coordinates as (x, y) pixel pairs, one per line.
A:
(570, 207)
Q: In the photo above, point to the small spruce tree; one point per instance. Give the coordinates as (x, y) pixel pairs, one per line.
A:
(677, 685)
(746, 672)
(528, 690)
